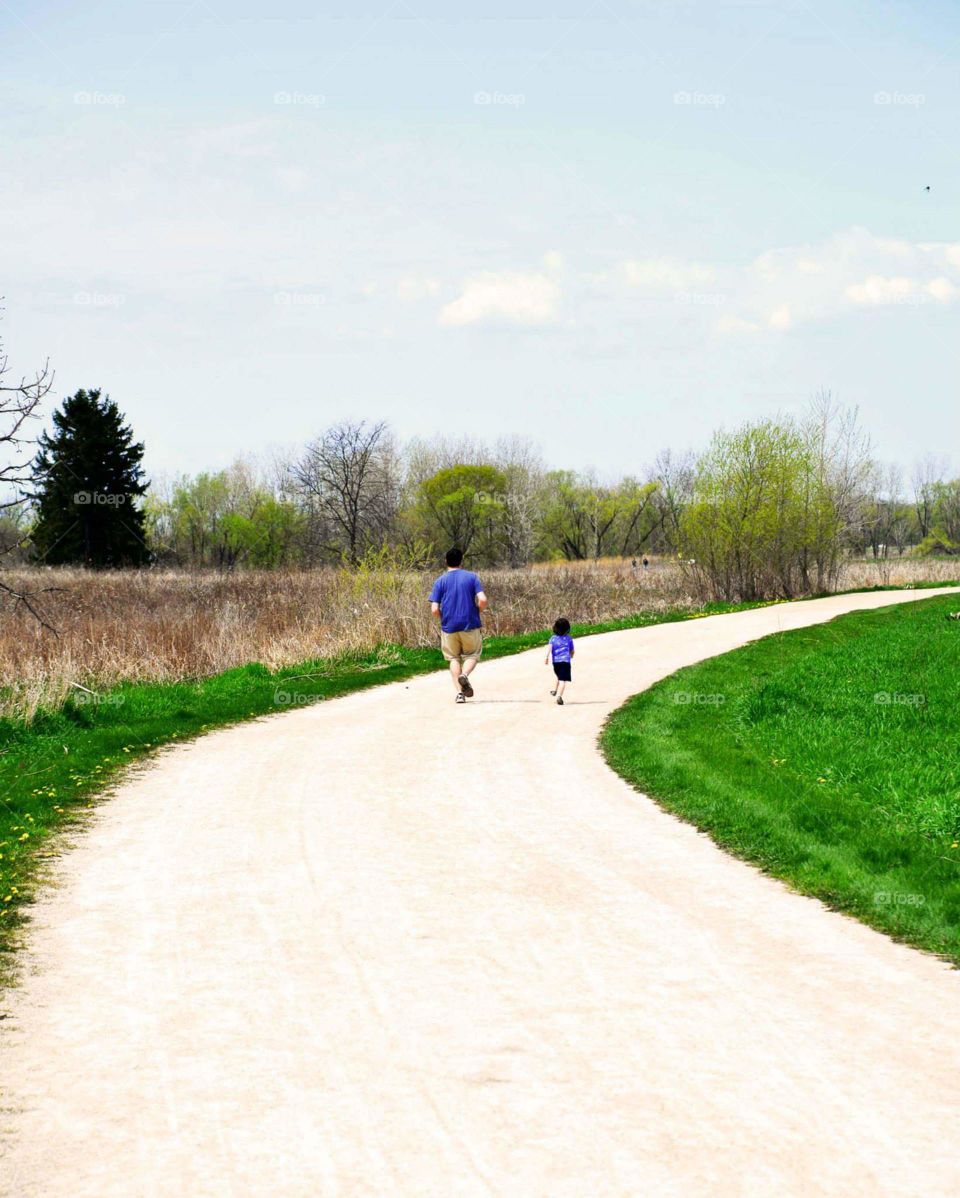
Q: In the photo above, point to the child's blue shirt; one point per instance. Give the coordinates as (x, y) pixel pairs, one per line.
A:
(561, 648)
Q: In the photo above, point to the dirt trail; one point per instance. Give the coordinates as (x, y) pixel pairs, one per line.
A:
(391, 946)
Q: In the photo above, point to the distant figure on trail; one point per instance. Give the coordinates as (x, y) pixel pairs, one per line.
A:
(458, 599)
(560, 651)
(645, 563)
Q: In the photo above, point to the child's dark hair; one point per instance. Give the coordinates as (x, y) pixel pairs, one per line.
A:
(561, 627)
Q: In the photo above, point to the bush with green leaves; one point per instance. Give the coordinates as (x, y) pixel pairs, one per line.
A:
(772, 505)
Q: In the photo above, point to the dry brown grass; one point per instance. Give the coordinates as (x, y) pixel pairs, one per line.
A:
(167, 626)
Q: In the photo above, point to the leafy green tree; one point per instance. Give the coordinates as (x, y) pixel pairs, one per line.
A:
(773, 507)
(584, 520)
(464, 505)
(225, 520)
(744, 526)
(566, 519)
(87, 479)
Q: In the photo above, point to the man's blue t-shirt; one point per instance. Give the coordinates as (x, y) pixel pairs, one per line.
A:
(561, 648)
(456, 591)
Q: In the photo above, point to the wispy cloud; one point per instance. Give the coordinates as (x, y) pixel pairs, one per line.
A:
(504, 297)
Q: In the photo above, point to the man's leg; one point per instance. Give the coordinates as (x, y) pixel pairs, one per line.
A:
(465, 672)
(455, 672)
(471, 644)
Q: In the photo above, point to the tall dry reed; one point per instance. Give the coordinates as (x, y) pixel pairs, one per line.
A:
(167, 625)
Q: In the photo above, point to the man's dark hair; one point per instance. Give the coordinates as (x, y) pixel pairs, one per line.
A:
(454, 557)
(561, 627)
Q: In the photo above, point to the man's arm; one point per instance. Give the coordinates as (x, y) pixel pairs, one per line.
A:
(435, 608)
(481, 600)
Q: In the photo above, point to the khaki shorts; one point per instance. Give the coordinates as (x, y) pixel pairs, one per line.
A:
(459, 646)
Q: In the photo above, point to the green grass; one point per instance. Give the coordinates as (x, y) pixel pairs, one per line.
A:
(828, 756)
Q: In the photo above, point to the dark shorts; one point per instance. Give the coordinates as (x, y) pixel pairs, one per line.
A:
(562, 670)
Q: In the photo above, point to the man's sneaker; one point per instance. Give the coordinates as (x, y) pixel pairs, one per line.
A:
(465, 686)
(461, 698)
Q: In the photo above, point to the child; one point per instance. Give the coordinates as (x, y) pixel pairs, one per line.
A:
(560, 652)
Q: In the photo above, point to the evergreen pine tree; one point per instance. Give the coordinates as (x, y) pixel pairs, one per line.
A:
(87, 478)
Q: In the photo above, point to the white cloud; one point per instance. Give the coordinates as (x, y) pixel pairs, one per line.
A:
(854, 269)
(525, 299)
(878, 289)
(735, 324)
(666, 274)
(941, 289)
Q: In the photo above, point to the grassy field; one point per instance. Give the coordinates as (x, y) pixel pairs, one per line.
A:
(830, 757)
(174, 626)
(54, 765)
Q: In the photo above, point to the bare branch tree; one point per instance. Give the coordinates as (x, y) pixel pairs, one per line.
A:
(18, 406)
(19, 402)
(349, 479)
(674, 475)
(928, 476)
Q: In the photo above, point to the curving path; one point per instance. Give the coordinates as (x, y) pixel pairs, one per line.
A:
(388, 946)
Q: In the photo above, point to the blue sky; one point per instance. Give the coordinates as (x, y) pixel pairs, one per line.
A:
(609, 226)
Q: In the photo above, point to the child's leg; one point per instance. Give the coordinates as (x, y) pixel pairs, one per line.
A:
(560, 685)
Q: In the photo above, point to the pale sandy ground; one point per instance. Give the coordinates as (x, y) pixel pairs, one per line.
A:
(391, 946)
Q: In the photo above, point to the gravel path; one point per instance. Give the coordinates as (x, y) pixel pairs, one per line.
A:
(391, 946)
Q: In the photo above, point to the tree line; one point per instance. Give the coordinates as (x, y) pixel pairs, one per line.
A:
(772, 507)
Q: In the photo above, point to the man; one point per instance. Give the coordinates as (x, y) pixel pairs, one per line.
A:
(458, 599)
